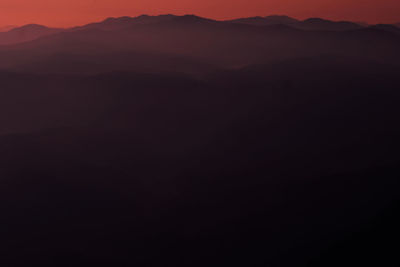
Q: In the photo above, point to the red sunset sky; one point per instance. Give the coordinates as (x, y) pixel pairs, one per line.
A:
(74, 12)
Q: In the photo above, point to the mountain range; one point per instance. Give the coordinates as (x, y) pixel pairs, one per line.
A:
(14, 34)
(188, 44)
(313, 24)
(184, 141)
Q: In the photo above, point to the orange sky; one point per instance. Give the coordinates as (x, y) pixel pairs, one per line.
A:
(76, 12)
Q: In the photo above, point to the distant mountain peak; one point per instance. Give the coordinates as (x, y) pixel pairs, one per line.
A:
(26, 33)
(120, 23)
(318, 24)
(31, 26)
(268, 20)
(117, 19)
(281, 18)
(190, 18)
(326, 21)
(313, 20)
(143, 16)
(386, 27)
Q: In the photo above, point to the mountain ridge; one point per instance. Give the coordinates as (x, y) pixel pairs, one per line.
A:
(29, 32)
(26, 33)
(189, 43)
(184, 141)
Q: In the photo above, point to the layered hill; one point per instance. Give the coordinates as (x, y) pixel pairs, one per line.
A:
(283, 153)
(25, 33)
(312, 24)
(184, 141)
(189, 44)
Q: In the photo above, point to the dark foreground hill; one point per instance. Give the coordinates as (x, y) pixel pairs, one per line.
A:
(291, 163)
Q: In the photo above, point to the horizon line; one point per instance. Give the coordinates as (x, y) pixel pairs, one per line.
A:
(188, 14)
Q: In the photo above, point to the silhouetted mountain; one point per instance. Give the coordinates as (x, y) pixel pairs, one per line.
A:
(309, 24)
(189, 44)
(317, 24)
(189, 19)
(183, 141)
(312, 24)
(121, 23)
(386, 27)
(126, 23)
(25, 33)
(33, 31)
(362, 23)
(263, 21)
(281, 19)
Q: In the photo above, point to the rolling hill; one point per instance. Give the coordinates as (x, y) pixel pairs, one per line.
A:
(188, 44)
(184, 141)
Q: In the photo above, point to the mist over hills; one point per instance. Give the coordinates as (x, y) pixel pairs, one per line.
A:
(183, 141)
(190, 44)
(14, 34)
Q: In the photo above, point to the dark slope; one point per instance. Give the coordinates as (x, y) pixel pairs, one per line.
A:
(273, 164)
(111, 24)
(125, 23)
(315, 24)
